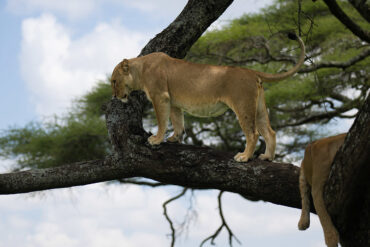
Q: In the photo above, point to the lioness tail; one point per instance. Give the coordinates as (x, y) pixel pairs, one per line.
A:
(266, 77)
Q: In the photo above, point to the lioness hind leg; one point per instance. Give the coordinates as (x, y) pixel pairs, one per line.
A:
(247, 123)
(177, 119)
(304, 188)
(161, 106)
(330, 232)
(264, 128)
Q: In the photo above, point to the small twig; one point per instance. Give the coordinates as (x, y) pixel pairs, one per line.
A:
(299, 17)
(173, 230)
(190, 215)
(224, 224)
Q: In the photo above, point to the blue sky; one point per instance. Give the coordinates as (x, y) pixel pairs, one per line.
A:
(52, 52)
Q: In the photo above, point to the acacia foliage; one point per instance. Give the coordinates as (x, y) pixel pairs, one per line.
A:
(332, 84)
(77, 136)
(297, 105)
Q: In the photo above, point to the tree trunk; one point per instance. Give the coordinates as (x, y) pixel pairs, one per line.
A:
(347, 192)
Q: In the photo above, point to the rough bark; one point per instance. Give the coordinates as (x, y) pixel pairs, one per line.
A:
(347, 192)
(182, 33)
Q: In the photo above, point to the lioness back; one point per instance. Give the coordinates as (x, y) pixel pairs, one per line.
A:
(203, 89)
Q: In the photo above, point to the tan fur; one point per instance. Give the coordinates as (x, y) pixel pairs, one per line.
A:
(175, 85)
(315, 169)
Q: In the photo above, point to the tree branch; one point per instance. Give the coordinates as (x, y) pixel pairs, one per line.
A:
(173, 230)
(282, 58)
(223, 224)
(342, 65)
(319, 117)
(344, 18)
(184, 165)
(80, 173)
(182, 33)
(362, 7)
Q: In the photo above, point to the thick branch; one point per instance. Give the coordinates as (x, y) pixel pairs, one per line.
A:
(61, 177)
(362, 7)
(184, 165)
(344, 18)
(182, 33)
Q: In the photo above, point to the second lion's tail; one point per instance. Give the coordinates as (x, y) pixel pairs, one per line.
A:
(305, 191)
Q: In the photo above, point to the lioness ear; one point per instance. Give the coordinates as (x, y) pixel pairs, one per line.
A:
(125, 67)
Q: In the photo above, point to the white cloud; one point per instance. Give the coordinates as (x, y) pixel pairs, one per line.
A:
(57, 67)
(117, 215)
(95, 215)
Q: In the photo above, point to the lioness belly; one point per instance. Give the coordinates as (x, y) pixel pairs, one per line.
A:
(210, 110)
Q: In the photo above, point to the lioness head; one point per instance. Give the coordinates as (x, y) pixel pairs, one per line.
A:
(121, 81)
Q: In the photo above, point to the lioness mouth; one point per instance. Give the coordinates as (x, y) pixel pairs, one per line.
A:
(124, 99)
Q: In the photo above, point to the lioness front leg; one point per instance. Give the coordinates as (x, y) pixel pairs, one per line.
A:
(177, 119)
(161, 106)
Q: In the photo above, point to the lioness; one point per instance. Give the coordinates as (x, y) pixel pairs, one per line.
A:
(175, 85)
(315, 169)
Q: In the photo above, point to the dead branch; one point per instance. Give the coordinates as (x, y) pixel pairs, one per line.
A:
(173, 230)
(223, 224)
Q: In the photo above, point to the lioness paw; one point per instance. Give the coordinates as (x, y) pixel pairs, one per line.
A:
(154, 140)
(174, 138)
(332, 238)
(265, 157)
(303, 224)
(241, 157)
